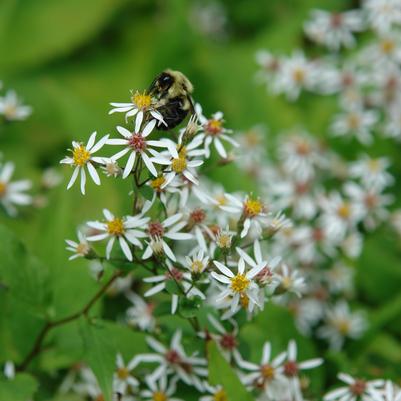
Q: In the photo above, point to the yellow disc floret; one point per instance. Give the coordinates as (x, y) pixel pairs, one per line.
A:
(3, 188)
(239, 283)
(197, 266)
(253, 207)
(115, 227)
(157, 183)
(80, 155)
(159, 396)
(179, 165)
(220, 396)
(141, 100)
(122, 373)
(344, 210)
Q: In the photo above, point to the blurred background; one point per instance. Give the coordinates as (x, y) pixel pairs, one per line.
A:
(70, 58)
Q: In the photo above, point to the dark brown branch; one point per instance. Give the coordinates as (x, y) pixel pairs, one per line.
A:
(38, 345)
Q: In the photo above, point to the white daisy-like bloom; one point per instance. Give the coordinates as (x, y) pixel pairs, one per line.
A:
(339, 215)
(252, 211)
(392, 127)
(82, 156)
(123, 378)
(213, 131)
(79, 249)
(355, 389)
(356, 122)
(372, 203)
(174, 360)
(178, 165)
(339, 278)
(159, 389)
(12, 193)
(382, 54)
(137, 144)
(240, 287)
(352, 244)
(372, 171)
(127, 230)
(140, 105)
(167, 229)
(308, 312)
(383, 14)
(300, 156)
(341, 323)
(140, 313)
(111, 168)
(216, 393)
(197, 263)
(291, 369)
(266, 277)
(334, 30)
(296, 73)
(266, 375)
(269, 67)
(291, 281)
(184, 279)
(87, 384)
(12, 109)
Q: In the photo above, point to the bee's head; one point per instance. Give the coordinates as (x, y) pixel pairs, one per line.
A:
(172, 82)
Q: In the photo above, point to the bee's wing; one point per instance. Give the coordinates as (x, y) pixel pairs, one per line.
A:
(153, 87)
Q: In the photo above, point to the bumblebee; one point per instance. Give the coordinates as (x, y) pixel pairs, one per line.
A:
(172, 93)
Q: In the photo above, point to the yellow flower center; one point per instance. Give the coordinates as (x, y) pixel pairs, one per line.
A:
(159, 396)
(142, 100)
(179, 165)
(387, 46)
(267, 372)
(224, 241)
(220, 396)
(80, 155)
(3, 188)
(252, 139)
(197, 266)
(10, 111)
(354, 121)
(115, 227)
(298, 75)
(344, 211)
(82, 249)
(183, 152)
(214, 127)
(253, 207)
(343, 326)
(123, 373)
(239, 283)
(286, 282)
(221, 199)
(374, 165)
(157, 183)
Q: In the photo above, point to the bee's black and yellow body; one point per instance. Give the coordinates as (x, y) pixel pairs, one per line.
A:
(172, 91)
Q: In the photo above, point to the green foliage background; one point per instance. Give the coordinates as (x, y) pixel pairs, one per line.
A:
(69, 59)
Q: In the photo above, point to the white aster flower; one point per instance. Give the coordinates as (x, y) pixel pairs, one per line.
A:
(383, 14)
(13, 193)
(290, 281)
(12, 109)
(138, 145)
(123, 378)
(79, 249)
(356, 122)
(167, 229)
(197, 263)
(141, 103)
(341, 323)
(266, 375)
(241, 287)
(159, 389)
(334, 30)
(213, 131)
(140, 313)
(355, 389)
(82, 156)
(216, 393)
(126, 230)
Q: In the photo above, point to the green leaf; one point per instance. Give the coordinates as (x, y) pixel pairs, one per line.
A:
(221, 373)
(21, 388)
(24, 276)
(146, 192)
(100, 355)
(190, 307)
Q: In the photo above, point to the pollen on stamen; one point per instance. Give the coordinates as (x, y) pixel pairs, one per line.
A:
(115, 227)
(179, 165)
(157, 183)
(80, 155)
(214, 127)
(253, 207)
(142, 100)
(239, 283)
